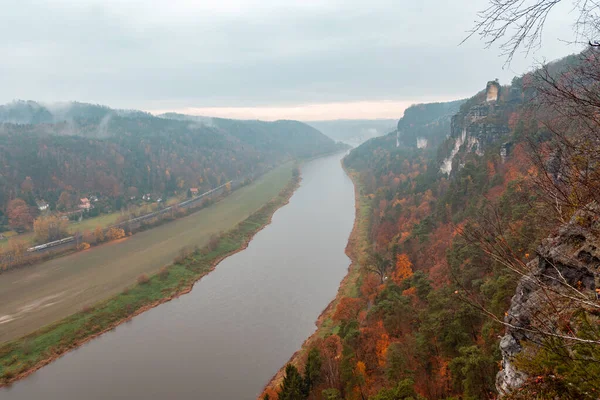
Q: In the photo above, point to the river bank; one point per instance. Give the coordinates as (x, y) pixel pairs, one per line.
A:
(349, 286)
(23, 356)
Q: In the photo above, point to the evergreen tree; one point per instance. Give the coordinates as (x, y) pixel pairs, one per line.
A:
(312, 371)
(292, 387)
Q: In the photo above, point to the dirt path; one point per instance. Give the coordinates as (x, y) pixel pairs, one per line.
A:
(34, 296)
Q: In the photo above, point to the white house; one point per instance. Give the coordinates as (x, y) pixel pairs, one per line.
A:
(42, 205)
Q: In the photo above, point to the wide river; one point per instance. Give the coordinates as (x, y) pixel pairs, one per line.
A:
(240, 323)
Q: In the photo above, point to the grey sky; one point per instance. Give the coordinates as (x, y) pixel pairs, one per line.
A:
(255, 58)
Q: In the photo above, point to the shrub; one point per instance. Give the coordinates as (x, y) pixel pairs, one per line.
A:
(115, 233)
(163, 273)
(213, 243)
(99, 234)
(184, 253)
(89, 237)
(143, 279)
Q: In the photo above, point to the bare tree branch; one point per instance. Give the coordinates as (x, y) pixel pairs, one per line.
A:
(519, 24)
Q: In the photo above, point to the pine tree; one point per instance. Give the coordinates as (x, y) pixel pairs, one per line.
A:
(312, 370)
(292, 387)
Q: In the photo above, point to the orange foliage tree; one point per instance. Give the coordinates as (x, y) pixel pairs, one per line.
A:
(115, 233)
(403, 268)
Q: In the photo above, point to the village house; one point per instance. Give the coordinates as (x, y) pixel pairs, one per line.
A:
(147, 197)
(194, 191)
(85, 204)
(42, 205)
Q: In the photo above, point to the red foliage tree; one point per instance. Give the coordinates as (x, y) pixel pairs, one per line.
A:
(19, 213)
(347, 309)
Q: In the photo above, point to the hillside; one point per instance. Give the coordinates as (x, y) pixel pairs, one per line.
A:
(83, 150)
(421, 201)
(282, 136)
(454, 229)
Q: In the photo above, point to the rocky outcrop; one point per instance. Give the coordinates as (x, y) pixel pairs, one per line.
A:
(567, 261)
(492, 91)
(478, 125)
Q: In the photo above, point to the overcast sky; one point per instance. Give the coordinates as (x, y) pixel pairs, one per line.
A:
(300, 59)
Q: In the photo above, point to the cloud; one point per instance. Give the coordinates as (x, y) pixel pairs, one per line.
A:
(242, 54)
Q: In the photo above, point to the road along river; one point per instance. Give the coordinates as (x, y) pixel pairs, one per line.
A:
(237, 327)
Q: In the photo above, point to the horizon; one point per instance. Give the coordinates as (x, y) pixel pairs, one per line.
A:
(364, 110)
(303, 113)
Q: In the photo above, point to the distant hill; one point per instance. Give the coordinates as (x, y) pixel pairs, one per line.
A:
(85, 149)
(354, 131)
(31, 112)
(285, 135)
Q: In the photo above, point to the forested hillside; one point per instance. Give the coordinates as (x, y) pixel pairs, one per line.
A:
(83, 150)
(454, 229)
(283, 136)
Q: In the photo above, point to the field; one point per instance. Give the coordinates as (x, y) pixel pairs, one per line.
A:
(91, 223)
(35, 296)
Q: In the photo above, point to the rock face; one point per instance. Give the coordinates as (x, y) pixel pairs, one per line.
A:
(492, 91)
(570, 258)
(478, 125)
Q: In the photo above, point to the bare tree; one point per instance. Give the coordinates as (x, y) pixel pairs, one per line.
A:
(567, 105)
(515, 24)
(379, 265)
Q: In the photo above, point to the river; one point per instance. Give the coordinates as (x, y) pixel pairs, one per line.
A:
(239, 324)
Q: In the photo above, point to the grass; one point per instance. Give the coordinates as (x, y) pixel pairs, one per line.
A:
(84, 278)
(12, 235)
(90, 224)
(28, 353)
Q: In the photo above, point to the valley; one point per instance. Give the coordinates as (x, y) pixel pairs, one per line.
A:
(297, 200)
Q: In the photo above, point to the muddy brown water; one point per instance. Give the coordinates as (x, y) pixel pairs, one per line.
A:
(238, 326)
